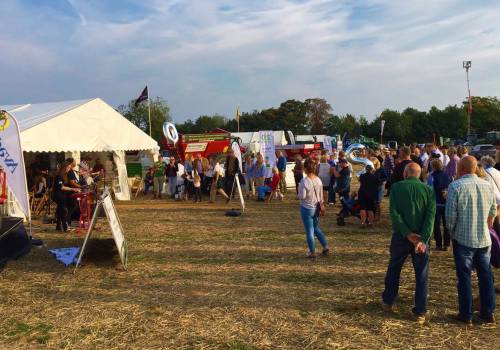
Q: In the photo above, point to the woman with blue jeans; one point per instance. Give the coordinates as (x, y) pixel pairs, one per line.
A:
(310, 194)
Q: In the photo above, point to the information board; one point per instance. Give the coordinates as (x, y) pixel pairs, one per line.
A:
(116, 229)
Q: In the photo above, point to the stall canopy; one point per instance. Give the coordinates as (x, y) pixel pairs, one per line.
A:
(81, 126)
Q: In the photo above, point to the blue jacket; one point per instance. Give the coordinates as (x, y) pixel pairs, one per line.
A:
(281, 164)
(440, 182)
(381, 174)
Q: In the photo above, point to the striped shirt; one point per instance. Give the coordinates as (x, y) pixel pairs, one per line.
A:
(389, 165)
(470, 201)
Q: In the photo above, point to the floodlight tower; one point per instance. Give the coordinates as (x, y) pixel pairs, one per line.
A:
(466, 65)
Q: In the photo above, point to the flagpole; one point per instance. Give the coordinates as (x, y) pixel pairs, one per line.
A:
(149, 112)
(238, 117)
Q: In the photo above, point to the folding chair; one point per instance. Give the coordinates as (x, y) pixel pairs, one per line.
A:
(137, 186)
(43, 203)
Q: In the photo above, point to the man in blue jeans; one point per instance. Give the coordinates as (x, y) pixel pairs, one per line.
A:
(470, 211)
(412, 210)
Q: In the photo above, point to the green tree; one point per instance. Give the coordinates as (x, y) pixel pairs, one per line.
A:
(292, 115)
(188, 127)
(318, 111)
(332, 125)
(485, 114)
(397, 125)
(254, 121)
(348, 124)
(139, 116)
(420, 128)
(207, 123)
(362, 127)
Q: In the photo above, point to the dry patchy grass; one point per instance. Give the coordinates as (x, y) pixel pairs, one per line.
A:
(200, 280)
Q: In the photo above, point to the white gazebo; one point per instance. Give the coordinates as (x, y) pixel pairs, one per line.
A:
(79, 126)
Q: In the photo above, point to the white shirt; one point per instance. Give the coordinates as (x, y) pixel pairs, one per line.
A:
(218, 169)
(269, 172)
(493, 177)
(441, 156)
(310, 192)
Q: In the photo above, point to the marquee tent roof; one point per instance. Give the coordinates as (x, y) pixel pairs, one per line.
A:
(82, 125)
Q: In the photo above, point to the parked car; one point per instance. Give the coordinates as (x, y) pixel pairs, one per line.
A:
(479, 151)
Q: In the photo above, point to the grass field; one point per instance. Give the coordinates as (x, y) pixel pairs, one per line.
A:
(200, 280)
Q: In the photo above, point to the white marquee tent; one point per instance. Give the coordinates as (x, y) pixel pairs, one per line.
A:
(81, 126)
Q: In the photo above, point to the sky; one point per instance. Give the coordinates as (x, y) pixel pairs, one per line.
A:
(206, 57)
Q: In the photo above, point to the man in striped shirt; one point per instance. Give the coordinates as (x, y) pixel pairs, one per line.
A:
(470, 210)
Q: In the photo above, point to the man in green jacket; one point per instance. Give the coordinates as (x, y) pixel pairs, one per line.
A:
(412, 210)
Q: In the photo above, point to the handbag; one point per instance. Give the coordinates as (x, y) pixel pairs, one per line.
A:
(320, 207)
(495, 249)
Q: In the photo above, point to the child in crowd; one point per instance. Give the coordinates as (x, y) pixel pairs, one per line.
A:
(197, 186)
(148, 180)
(275, 189)
(352, 200)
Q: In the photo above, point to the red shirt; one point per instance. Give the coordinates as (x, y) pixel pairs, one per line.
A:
(275, 181)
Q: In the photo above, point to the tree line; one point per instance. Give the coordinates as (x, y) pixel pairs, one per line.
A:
(315, 116)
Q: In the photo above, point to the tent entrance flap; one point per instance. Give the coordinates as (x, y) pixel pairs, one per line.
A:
(121, 167)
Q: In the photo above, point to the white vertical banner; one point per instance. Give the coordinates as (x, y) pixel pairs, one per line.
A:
(235, 146)
(327, 144)
(12, 161)
(121, 167)
(382, 124)
(266, 140)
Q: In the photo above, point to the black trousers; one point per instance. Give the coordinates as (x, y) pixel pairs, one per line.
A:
(62, 213)
(297, 178)
(441, 240)
(197, 194)
(73, 210)
(228, 184)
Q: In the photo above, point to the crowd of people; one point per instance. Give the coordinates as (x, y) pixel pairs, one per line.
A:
(444, 193)
(207, 177)
(439, 193)
(65, 181)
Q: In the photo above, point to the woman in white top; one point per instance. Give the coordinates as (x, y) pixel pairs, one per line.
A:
(310, 194)
(324, 173)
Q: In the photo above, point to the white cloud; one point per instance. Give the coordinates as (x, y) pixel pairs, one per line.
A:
(208, 56)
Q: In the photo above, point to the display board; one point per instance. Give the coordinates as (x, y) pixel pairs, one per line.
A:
(237, 153)
(116, 229)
